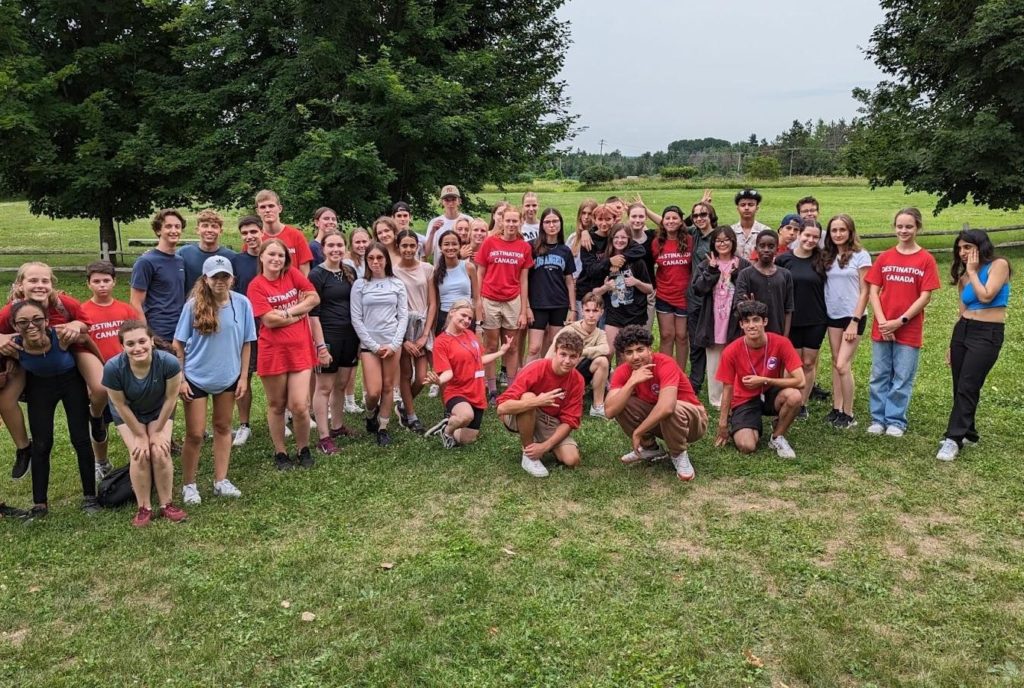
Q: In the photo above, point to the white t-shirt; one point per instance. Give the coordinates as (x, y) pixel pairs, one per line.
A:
(530, 232)
(842, 285)
(446, 224)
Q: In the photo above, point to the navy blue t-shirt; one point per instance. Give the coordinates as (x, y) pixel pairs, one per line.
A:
(162, 276)
(194, 258)
(246, 268)
(54, 362)
(547, 277)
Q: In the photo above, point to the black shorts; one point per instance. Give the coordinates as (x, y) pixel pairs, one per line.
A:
(583, 367)
(748, 415)
(544, 318)
(478, 413)
(843, 323)
(807, 336)
(253, 351)
(665, 307)
(200, 393)
(343, 345)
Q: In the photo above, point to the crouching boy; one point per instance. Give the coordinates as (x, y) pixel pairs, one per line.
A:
(651, 397)
(544, 405)
(593, 365)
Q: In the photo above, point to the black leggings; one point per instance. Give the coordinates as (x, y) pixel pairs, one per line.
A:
(42, 395)
(973, 351)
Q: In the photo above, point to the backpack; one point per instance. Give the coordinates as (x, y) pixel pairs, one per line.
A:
(116, 489)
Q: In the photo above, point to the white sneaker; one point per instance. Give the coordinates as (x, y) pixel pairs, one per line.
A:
(433, 391)
(312, 423)
(597, 411)
(287, 431)
(782, 448)
(645, 454)
(190, 494)
(684, 469)
(224, 488)
(534, 468)
(242, 435)
(947, 450)
(438, 427)
(876, 429)
(968, 443)
(353, 407)
(894, 431)
(397, 395)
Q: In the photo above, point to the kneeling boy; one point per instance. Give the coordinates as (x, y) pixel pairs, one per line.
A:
(762, 376)
(651, 397)
(544, 405)
(593, 365)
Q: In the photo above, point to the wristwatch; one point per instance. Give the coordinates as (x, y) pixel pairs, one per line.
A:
(904, 320)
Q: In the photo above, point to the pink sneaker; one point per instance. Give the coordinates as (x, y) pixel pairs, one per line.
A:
(327, 446)
(173, 513)
(142, 517)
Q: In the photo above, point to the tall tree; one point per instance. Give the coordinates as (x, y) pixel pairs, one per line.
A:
(355, 104)
(950, 120)
(81, 132)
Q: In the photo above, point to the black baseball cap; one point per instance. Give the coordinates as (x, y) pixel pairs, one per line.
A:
(748, 193)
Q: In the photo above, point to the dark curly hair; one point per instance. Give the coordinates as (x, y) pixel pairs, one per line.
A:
(631, 335)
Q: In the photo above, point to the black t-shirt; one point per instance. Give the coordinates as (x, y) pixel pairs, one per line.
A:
(775, 291)
(547, 277)
(628, 305)
(246, 268)
(335, 290)
(808, 290)
(648, 247)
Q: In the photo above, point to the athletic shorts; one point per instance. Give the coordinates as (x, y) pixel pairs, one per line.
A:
(843, 323)
(807, 336)
(478, 413)
(584, 369)
(200, 393)
(548, 317)
(665, 307)
(748, 415)
(253, 354)
(344, 349)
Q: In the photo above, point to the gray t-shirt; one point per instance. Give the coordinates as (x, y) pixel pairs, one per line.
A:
(145, 396)
(842, 285)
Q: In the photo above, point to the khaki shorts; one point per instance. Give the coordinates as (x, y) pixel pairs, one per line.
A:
(502, 314)
(543, 428)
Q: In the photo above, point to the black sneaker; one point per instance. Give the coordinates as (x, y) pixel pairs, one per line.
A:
(383, 438)
(415, 425)
(503, 377)
(845, 422)
(833, 416)
(803, 415)
(37, 512)
(11, 512)
(819, 394)
(90, 505)
(372, 425)
(175, 447)
(438, 428)
(98, 429)
(492, 399)
(283, 462)
(22, 461)
(305, 458)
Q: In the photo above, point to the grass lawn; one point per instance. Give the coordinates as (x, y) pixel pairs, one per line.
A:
(864, 562)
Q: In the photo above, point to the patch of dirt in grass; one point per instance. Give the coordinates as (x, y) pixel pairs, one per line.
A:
(686, 548)
(14, 638)
(481, 507)
(927, 544)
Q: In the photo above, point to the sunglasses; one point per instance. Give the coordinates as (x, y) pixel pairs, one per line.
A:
(701, 215)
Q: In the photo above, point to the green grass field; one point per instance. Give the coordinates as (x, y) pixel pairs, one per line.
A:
(864, 562)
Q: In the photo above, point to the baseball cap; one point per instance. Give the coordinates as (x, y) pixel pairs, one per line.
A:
(748, 193)
(450, 190)
(401, 205)
(791, 219)
(216, 265)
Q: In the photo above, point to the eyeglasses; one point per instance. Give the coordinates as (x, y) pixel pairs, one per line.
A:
(723, 240)
(555, 221)
(37, 321)
(701, 215)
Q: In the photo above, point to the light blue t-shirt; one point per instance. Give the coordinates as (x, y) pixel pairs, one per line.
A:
(214, 361)
(145, 396)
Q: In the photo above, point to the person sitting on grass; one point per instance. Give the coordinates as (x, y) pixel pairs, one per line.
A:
(594, 364)
(761, 375)
(544, 404)
(143, 383)
(459, 371)
(651, 397)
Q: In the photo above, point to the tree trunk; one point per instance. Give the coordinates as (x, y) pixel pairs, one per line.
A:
(108, 236)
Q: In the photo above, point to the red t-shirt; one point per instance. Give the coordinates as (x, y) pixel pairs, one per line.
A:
(297, 245)
(674, 263)
(666, 374)
(73, 308)
(104, 322)
(539, 377)
(282, 349)
(902, 279)
(504, 261)
(738, 360)
(462, 356)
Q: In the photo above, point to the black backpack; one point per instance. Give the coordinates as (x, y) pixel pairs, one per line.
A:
(116, 489)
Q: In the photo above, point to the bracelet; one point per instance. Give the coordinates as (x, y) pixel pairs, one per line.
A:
(321, 345)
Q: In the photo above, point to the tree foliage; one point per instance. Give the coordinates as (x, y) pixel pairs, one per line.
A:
(950, 120)
(762, 167)
(81, 133)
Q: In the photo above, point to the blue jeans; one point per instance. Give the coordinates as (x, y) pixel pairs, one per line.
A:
(893, 369)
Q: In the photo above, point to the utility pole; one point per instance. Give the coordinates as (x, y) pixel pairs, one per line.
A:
(601, 142)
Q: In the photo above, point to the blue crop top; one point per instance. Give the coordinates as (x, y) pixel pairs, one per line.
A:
(970, 299)
(54, 362)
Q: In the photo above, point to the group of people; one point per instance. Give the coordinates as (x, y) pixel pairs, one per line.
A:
(560, 307)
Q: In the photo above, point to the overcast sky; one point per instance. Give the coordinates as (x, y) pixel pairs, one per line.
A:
(643, 73)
